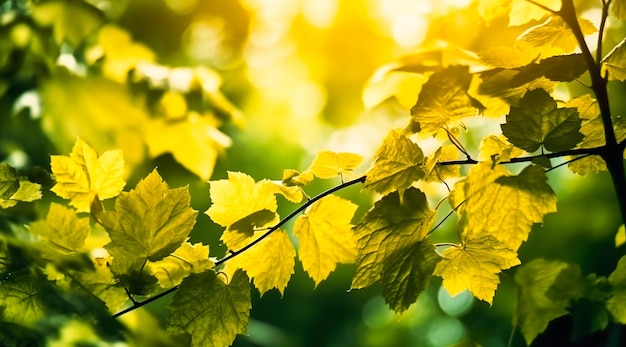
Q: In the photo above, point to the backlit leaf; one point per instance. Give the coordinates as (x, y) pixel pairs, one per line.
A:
(444, 101)
(508, 57)
(149, 222)
(195, 142)
(497, 150)
(492, 9)
(28, 191)
(187, 259)
(14, 189)
(295, 178)
(523, 11)
(254, 220)
(101, 283)
(554, 32)
(329, 164)
(538, 122)
(238, 197)
(436, 173)
(617, 303)
(515, 202)
(534, 308)
(83, 175)
(559, 68)
(614, 63)
(21, 301)
(326, 236)
(475, 264)
(62, 228)
(397, 164)
(120, 53)
(71, 20)
(211, 311)
(270, 263)
(406, 272)
(392, 224)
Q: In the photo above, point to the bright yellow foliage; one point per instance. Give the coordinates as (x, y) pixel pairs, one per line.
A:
(188, 258)
(329, 164)
(474, 265)
(326, 236)
(121, 54)
(270, 263)
(523, 11)
(238, 197)
(83, 175)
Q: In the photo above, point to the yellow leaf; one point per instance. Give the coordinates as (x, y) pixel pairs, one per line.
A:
(291, 193)
(326, 236)
(620, 237)
(187, 259)
(84, 175)
(270, 263)
(295, 178)
(329, 164)
(195, 142)
(71, 20)
(474, 265)
(497, 149)
(238, 197)
(173, 105)
(523, 11)
(509, 57)
(492, 9)
(554, 32)
(437, 173)
(121, 54)
(503, 205)
(397, 164)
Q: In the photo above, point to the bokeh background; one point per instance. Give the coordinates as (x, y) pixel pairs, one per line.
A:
(201, 87)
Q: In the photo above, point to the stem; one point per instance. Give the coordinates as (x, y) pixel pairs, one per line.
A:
(578, 151)
(233, 254)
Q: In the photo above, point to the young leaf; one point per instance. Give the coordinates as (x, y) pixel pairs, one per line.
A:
(392, 224)
(329, 164)
(211, 311)
(538, 122)
(406, 272)
(554, 32)
(617, 303)
(84, 175)
(270, 263)
(614, 63)
(397, 165)
(326, 236)
(475, 264)
(515, 202)
(238, 197)
(444, 101)
(149, 222)
(62, 228)
(187, 259)
(534, 308)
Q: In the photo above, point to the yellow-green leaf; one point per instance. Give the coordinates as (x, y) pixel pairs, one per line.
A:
(62, 228)
(390, 225)
(617, 303)
(535, 309)
(254, 220)
(211, 311)
(21, 301)
(238, 197)
(149, 222)
(101, 283)
(614, 63)
(523, 11)
(619, 9)
(504, 206)
(70, 20)
(406, 273)
(397, 165)
(497, 150)
(295, 178)
(443, 101)
(519, 54)
(187, 259)
(269, 263)
(474, 265)
(326, 236)
(554, 32)
(83, 175)
(329, 164)
(14, 189)
(437, 173)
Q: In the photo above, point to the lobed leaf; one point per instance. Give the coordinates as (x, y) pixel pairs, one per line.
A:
(537, 121)
(393, 223)
(475, 264)
(83, 175)
(555, 32)
(325, 236)
(62, 228)
(187, 259)
(211, 311)
(397, 165)
(329, 164)
(406, 272)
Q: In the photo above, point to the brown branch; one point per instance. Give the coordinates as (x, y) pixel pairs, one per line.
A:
(578, 151)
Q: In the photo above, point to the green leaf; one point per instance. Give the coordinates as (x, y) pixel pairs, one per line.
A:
(149, 222)
(444, 101)
(393, 223)
(554, 32)
(63, 229)
(71, 20)
(538, 122)
(515, 202)
(397, 165)
(14, 189)
(617, 303)
(614, 63)
(21, 300)
(211, 311)
(246, 225)
(535, 309)
(8, 181)
(619, 10)
(406, 272)
(475, 264)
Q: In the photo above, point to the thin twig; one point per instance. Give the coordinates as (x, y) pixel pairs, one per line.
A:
(578, 151)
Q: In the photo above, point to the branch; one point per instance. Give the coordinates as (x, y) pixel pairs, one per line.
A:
(605, 15)
(233, 254)
(578, 151)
